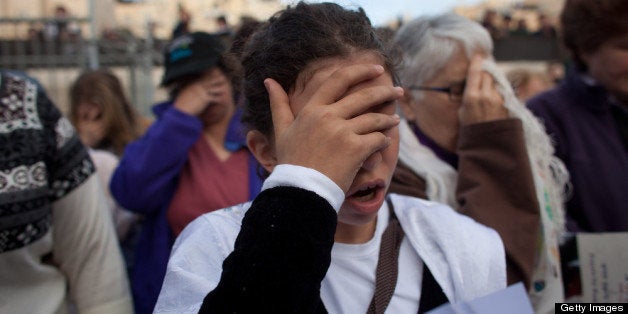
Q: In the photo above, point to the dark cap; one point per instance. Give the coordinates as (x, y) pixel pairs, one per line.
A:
(192, 53)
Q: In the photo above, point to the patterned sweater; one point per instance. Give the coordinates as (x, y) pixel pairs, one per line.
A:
(56, 237)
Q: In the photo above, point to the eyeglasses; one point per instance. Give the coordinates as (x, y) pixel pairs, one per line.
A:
(455, 90)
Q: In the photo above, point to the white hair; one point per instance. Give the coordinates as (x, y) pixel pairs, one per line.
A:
(428, 43)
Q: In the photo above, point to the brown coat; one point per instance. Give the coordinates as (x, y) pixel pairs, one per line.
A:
(495, 187)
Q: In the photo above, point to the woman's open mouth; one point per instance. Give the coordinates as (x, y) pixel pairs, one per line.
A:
(367, 197)
(365, 194)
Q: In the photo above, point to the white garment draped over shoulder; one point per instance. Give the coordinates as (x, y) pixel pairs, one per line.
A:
(466, 259)
(440, 177)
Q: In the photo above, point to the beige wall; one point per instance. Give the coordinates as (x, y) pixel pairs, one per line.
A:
(550, 7)
(135, 16)
(165, 13)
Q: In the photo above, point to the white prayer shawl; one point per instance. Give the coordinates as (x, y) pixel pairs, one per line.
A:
(466, 259)
(440, 177)
(549, 177)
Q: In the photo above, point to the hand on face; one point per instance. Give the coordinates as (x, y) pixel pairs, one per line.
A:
(337, 129)
(194, 98)
(90, 124)
(481, 102)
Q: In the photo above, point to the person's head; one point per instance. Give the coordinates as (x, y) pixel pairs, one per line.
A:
(221, 21)
(555, 71)
(197, 56)
(436, 52)
(596, 34)
(506, 21)
(300, 48)
(291, 40)
(544, 21)
(101, 112)
(522, 25)
(61, 11)
(489, 16)
(528, 83)
(184, 15)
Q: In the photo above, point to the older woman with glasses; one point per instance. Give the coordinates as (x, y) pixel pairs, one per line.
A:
(468, 142)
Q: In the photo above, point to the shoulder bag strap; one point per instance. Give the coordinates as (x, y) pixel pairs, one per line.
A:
(432, 294)
(387, 265)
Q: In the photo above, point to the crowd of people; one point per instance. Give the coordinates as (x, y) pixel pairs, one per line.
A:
(314, 163)
(502, 26)
(60, 33)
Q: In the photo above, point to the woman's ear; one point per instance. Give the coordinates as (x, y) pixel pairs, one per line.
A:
(406, 104)
(260, 147)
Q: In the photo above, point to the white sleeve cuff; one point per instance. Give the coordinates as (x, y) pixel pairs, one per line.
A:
(308, 179)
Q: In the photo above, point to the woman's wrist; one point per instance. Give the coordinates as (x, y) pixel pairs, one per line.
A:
(308, 179)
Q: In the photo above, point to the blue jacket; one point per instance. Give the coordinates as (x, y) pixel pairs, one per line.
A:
(145, 182)
(579, 118)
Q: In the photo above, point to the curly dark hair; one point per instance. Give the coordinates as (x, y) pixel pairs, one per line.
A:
(293, 38)
(586, 25)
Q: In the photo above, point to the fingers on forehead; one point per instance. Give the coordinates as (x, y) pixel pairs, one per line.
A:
(341, 80)
(487, 82)
(372, 122)
(474, 77)
(364, 99)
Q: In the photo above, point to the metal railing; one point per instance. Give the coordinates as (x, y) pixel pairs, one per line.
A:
(56, 61)
(138, 61)
(528, 48)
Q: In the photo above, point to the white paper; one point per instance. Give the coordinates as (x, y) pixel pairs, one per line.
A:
(512, 300)
(603, 266)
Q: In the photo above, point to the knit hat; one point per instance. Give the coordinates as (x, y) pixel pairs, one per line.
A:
(190, 54)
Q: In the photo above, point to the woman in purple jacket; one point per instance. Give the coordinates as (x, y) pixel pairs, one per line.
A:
(192, 160)
(587, 114)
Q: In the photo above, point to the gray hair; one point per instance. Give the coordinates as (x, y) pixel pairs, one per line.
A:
(427, 43)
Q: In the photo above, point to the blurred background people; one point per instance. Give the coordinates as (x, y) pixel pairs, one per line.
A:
(58, 28)
(506, 25)
(587, 114)
(58, 248)
(223, 30)
(106, 122)
(468, 142)
(489, 22)
(183, 23)
(587, 117)
(101, 112)
(521, 28)
(192, 160)
(546, 27)
(555, 71)
(528, 83)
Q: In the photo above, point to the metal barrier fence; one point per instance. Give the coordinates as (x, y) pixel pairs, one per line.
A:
(57, 60)
(528, 48)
